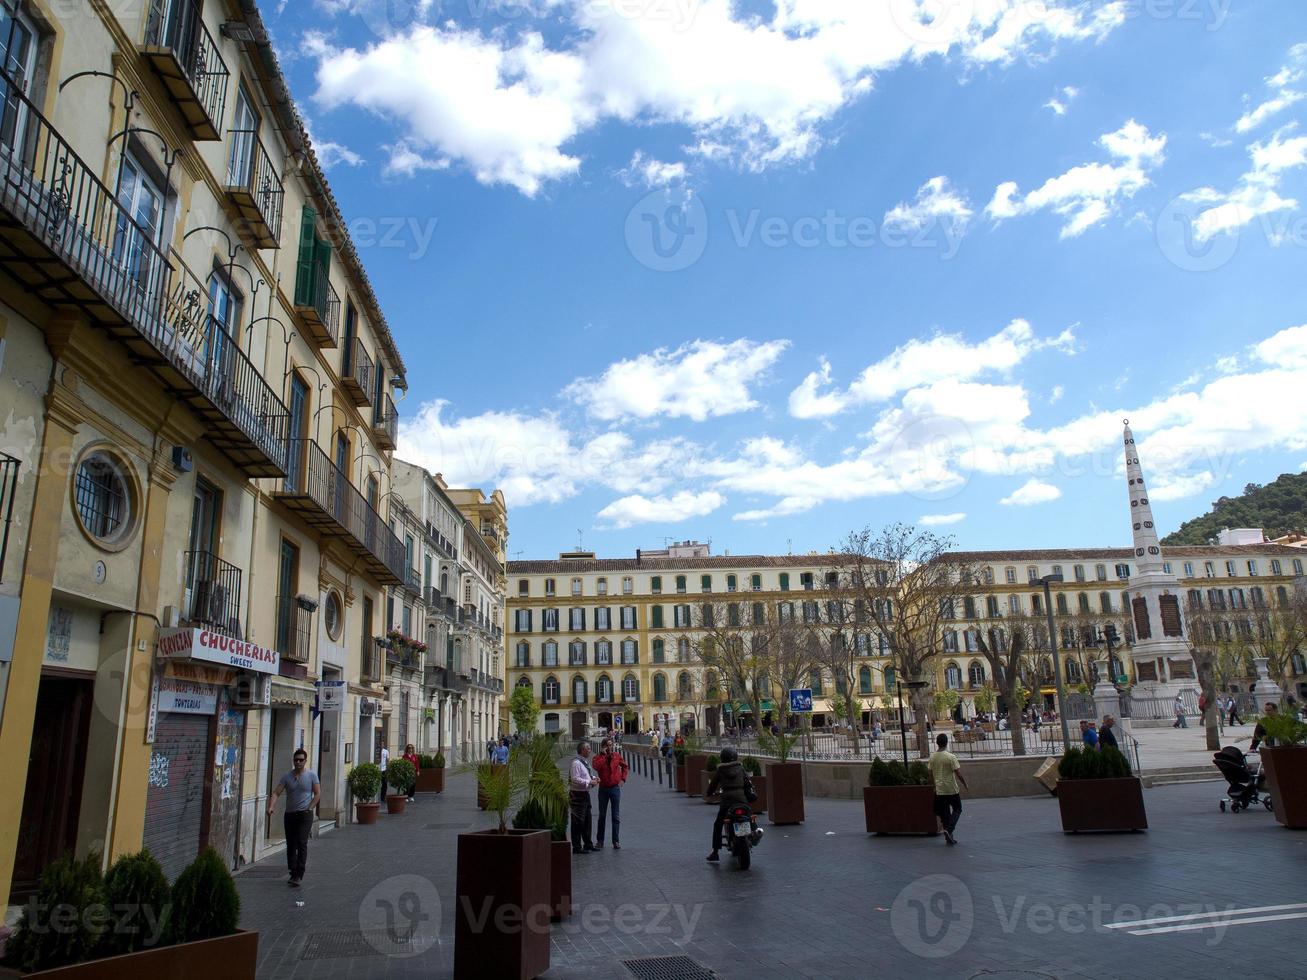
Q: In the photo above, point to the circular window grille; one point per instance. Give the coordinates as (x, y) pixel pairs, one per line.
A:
(332, 614)
(103, 497)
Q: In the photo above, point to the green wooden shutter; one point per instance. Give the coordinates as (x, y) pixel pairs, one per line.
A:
(304, 265)
(321, 272)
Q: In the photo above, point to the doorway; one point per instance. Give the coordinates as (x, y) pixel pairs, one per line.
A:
(578, 724)
(55, 770)
(329, 753)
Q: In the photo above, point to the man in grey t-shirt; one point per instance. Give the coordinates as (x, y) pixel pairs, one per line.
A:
(302, 791)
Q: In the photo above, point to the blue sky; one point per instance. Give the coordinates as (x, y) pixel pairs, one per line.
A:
(905, 268)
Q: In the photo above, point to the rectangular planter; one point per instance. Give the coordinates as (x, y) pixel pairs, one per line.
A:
(1286, 777)
(560, 879)
(501, 918)
(679, 785)
(694, 765)
(759, 787)
(785, 792)
(431, 781)
(900, 809)
(231, 957)
(705, 778)
(1101, 805)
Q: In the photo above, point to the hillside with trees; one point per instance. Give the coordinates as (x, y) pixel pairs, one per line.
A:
(1277, 508)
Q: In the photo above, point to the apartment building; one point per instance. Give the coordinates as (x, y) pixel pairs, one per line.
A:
(197, 384)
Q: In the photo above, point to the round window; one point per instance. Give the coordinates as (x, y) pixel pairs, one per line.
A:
(334, 616)
(103, 498)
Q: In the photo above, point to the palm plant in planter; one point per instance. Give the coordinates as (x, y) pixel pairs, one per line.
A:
(1286, 767)
(679, 754)
(502, 921)
(400, 777)
(1097, 792)
(899, 799)
(784, 779)
(364, 783)
(695, 761)
(754, 769)
(546, 808)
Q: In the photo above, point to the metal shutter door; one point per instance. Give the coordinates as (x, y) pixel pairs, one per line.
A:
(174, 808)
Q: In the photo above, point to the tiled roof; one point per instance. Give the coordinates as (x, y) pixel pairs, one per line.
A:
(1124, 554)
(724, 562)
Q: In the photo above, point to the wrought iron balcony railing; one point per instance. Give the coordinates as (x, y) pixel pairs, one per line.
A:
(357, 375)
(294, 628)
(254, 186)
(213, 593)
(321, 317)
(323, 495)
(370, 662)
(69, 242)
(184, 53)
(385, 423)
(9, 467)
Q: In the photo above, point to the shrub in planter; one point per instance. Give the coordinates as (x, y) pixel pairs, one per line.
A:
(1286, 767)
(73, 888)
(754, 770)
(899, 799)
(364, 783)
(204, 901)
(1097, 792)
(138, 896)
(431, 773)
(400, 777)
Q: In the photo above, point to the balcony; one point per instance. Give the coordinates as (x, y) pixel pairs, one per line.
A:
(403, 657)
(319, 312)
(254, 186)
(68, 243)
(385, 423)
(294, 628)
(357, 374)
(323, 496)
(213, 593)
(9, 467)
(370, 663)
(185, 55)
(433, 599)
(413, 581)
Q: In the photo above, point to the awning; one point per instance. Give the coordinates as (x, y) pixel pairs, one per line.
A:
(283, 693)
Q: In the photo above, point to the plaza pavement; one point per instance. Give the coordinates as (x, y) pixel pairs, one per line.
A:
(1015, 900)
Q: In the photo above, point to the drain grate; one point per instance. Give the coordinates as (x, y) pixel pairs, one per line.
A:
(668, 968)
(265, 870)
(344, 943)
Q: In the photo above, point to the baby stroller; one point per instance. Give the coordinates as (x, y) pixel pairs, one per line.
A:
(1247, 787)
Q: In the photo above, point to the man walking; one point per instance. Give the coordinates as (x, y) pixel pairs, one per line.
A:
(302, 791)
(1180, 721)
(946, 770)
(612, 769)
(579, 782)
(385, 764)
(1233, 705)
(1107, 737)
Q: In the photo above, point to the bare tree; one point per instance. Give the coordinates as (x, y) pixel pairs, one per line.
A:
(1008, 647)
(903, 583)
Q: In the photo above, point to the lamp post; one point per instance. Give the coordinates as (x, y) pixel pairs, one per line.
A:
(915, 685)
(1057, 663)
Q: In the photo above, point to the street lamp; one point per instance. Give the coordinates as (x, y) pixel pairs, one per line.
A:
(1057, 663)
(903, 733)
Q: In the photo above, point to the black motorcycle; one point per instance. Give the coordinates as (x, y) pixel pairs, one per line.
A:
(742, 834)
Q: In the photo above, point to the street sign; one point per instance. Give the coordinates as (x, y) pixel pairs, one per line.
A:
(801, 699)
(331, 695)
(1122, 679)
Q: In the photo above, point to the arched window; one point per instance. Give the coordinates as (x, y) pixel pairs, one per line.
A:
(953, 677)
(683, 650)
(523, 655)
(444, 583)
(951, 641)
(659, 652)
(1083, 600)
(1073, 671)
(660, 687)
(523, 682)
(864, 680)
(684, 686)
(603, 653)
(550, 691)
(630, 652)
(712, 687)
(576, 653)
(604, 689)
(550, 650)
(630, 688)
(1105, 602)
(1061, 604)
(889, 678)
(976, 674)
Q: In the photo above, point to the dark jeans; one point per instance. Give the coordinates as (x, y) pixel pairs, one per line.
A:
(581, 820)
(609, 795)
(949, 810)
(297, 826)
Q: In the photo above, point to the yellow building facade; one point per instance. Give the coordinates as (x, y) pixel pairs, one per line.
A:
(197, 392)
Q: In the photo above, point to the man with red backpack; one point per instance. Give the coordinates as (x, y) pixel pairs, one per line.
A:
(612, 770)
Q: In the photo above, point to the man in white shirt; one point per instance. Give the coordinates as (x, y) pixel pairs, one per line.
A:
(580, 779)
(385, 761)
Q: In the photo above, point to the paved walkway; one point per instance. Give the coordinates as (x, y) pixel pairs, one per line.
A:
(1174, 748)
(1015, 899)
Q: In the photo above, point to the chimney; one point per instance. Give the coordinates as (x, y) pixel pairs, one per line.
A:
(637, 557)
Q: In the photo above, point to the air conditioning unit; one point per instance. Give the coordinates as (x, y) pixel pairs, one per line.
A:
(252, 691)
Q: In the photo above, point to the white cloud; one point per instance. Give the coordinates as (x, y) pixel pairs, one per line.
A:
(1256, 194)
(637, 509)
(1282, 95)
(1032, 492)
(941, 520)
(1089, 194)
(756, 88)
(923, 362)
(1286, 349)
(698, 380)
(936, 201)
(1062, 101)
(648, 172)
(1056, 394)
(1254, 118)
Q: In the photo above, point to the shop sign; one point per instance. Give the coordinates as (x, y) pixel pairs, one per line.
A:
(206, 645)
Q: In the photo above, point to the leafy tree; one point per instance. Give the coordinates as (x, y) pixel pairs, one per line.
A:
(1278, 508)
(524, 710)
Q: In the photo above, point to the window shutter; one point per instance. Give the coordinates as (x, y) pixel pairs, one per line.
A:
(304, 267)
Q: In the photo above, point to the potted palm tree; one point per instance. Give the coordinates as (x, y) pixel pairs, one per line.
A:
(431, 773)
(501, 926)
(547, 809)
(899, 799)
(364, 783)
(784, 779)
(1097, 792)
(680, 755)
(1286, 767)
(754, 769)
(695, 762)
(400, 777)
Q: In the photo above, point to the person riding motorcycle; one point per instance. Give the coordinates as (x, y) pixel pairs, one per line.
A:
(728, 781)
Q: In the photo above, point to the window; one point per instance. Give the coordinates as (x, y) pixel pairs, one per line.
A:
(1166, 567)
(1061, 604)
(550, 650)
(1032, 573)
(889, 678)
(576, 620)
(730, 583)
(805, 581)
(628, 585)
(755, 583)
(1297, 566)
(552, 723)
(628, 618)
(681, 616)
(706, 612)
(864, 680)
(660, 687)
(578, 690)
(680, 584)
(659, 651)
(1229, 569)
(759, 614)
(1014, 605)
(1123, 571)
(951, 641)
(1105, 602)
(814, 682)
(1209, 569)
(683, 651)
(576, 653)
(576, 586)
(785, 581)
(1100, 573)
(656, 585)
(656, 618)
(630, 652)
(705, 583)
(604, 690)
(551, 693)
(523, 657)
(602, 619)
(1080, 573)
(733, 614)
(1037, 605)
(522, 620)
(601, 586)
(549, 586)
(549, 620)
(104, 498)
(987, 575)
(603, 653)
(968, 607)
(333, 615)
(991, 607)
(953, 677)
(1057, 570)
(1188, 569)
(976, 675)
(1276, 567)
(1252, 566)
(630, 689)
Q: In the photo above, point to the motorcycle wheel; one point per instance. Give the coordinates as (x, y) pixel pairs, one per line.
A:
(742, 853)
